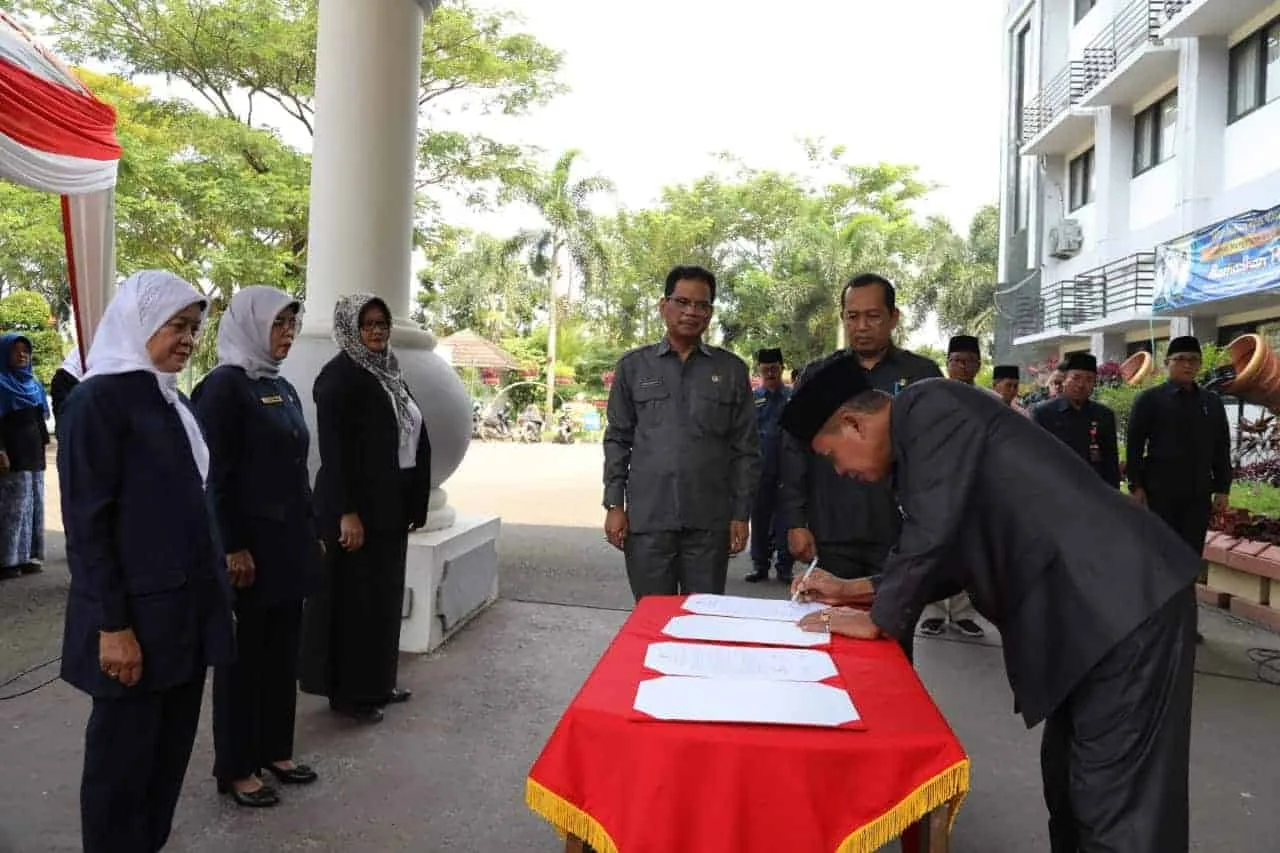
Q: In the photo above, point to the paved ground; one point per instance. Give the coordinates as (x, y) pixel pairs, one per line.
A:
(446, 771)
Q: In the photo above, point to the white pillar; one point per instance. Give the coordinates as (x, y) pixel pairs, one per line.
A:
(363, 162)
(1203, 88)
(1113, 160)
(368, 60)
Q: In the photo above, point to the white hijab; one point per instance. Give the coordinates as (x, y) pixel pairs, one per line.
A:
(244, 333)
(142, 305)
(72, 364)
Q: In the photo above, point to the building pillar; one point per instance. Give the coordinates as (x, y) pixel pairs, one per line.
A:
(1203, 75)
(364, 156)
(1113, 160)
(1108, 346)
(1204, 329)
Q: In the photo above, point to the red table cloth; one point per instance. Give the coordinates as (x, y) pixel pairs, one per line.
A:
(629, 785)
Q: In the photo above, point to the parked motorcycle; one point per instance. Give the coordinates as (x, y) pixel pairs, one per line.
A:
(564, 430)
(493, 424)
(529, 425)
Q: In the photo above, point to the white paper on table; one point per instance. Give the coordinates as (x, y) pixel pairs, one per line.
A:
(749, 608)
(703, 660)
(727, 629)
(713, 700)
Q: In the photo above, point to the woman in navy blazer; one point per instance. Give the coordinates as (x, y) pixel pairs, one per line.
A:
(371, 490)
(149, 607)
(261, 493)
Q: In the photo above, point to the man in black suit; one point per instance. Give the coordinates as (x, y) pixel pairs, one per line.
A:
(1092, 594)
(1084, 425)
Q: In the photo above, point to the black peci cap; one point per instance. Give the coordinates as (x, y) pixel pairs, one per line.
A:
(823, 391)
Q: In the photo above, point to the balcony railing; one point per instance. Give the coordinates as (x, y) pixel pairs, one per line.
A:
(1028, 315)
(1137, 25)
(1068, 303)
(1124, 285)
(1059, 95)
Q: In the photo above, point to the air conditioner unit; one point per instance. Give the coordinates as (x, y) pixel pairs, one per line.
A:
(1066, 239)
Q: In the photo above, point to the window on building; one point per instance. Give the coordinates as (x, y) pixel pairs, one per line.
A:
(1255, 71)
(1080, 180)
(1083, 8)
(1155, 133)
(1022, 95)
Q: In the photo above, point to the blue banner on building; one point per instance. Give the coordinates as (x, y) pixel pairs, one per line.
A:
(1237, 256)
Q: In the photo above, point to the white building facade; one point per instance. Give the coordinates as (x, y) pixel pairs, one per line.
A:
(1140, 179)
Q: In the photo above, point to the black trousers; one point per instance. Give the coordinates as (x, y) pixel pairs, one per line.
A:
(1115, 754)
(255, 699)
(1188, 516)
(768, 533)
(136, 751)
(677, 562)
(849, 560)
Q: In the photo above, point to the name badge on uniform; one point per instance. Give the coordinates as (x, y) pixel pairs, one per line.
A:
(273, 400)
(649, 383)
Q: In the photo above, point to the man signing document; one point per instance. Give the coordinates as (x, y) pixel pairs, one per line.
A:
(1092, 594)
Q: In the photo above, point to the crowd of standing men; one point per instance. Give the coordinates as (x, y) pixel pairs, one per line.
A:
(931, 502)
(696, 464)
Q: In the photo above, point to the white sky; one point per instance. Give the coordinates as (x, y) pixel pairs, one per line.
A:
(658, 86)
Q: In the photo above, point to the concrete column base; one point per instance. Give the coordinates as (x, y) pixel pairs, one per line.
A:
(452, 577)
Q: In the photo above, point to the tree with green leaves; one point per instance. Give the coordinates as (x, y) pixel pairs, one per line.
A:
(240, 55)
(188, 199)
(27, 313)
(570, 241)
(781, 246)
(960, 274)
(472, 281)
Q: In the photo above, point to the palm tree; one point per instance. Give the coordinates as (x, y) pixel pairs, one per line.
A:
(571, 233)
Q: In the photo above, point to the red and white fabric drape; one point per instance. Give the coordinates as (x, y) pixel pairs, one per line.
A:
(57, 137)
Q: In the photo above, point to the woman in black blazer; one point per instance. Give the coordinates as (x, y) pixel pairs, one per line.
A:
(149, 608)
(371, 490)
(261, 492)
(65, 379)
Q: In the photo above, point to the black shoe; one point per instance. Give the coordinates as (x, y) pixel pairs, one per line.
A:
(30, 568)
(263, 798)
(1199, 638)
(970, 629)
(298, 774)
(367, 714)
(931, 627)
(784, 576)
(399, 696)
(757, 576)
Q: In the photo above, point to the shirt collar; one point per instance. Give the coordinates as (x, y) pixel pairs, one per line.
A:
(1174, 388)
(664, 347)
(889, 358)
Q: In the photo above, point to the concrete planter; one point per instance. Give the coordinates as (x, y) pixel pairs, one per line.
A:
(1243, 578)
(1137, 367)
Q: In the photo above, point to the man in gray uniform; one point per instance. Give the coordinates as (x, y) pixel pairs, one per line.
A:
(681, 452)
(850, 525)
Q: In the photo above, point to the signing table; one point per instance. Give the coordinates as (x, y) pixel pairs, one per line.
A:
(623, 782)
